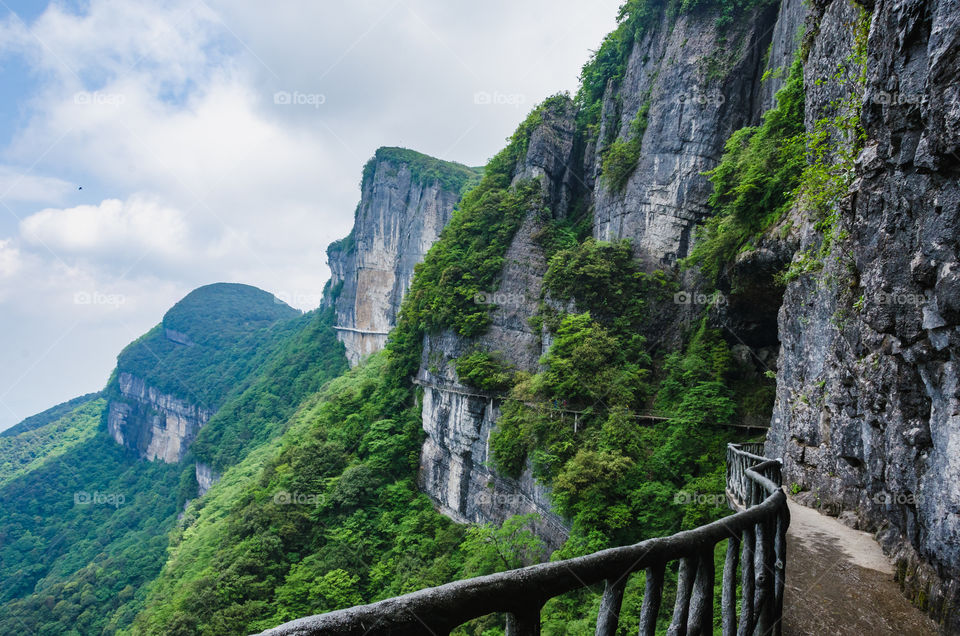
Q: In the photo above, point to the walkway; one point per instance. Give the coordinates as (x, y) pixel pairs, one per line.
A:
(839, 582)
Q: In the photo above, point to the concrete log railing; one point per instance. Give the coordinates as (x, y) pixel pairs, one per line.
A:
(756, 546)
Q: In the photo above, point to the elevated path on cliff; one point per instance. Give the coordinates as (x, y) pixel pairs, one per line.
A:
(841, 583)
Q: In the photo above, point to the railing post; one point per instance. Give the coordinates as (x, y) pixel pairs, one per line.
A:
(608, 618)
(652, 596)
(780, 551)
(701, 605)
(729, 601)
(765, 575)
(681, 606)
(747, 585)
(524, 622)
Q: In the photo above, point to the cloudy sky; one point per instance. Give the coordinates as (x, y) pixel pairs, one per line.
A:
(147, 148)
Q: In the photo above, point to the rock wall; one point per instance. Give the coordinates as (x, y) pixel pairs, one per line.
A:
(867, 417)
(156, 425)
(701, 84)
(400, 215)
(206, 477)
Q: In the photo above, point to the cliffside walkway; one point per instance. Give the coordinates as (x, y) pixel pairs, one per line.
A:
(841, 583)
(572, 413)
(754, 570)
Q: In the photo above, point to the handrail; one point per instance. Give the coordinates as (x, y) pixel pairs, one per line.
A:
(755, 543)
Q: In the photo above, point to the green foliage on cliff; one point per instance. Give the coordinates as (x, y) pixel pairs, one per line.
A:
(754, 184)
(70, 567)
(229, 330)
(328, 517)
(424, 169)
(308, 356)
(620, 157)
(463, 266)
(485, 370)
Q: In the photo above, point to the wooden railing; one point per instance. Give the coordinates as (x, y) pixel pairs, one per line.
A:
(755, 546)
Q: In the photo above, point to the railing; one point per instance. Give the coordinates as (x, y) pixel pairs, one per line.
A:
(756, 546)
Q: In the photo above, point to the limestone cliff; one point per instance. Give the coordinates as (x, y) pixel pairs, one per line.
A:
(406, 200)
(155, 424)
(867, 409)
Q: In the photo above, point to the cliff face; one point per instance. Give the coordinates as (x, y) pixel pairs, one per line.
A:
(867, 414)
(406, 200)
(868, 395)
(697, 84)
(155, 424)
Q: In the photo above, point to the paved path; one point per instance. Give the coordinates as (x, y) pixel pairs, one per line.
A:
(839, 582)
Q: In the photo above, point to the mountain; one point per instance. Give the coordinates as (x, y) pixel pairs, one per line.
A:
(746, 216)
(90, 489)
(169, 382)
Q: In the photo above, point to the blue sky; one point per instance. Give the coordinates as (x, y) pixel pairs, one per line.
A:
(194, 171)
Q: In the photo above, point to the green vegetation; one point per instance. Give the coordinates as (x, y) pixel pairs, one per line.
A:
(485, 370)
(70, 567)
(37, 444)
(754, 184)
(229, 330)
(833, 147)
(50, 415)
(620, 157)
(424, 169)
(307, 357)
(327, 517)
(469, 256)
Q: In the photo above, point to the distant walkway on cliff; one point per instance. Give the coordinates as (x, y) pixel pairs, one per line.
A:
(839, 582)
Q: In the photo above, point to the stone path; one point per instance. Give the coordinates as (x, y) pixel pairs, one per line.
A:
(839, 582)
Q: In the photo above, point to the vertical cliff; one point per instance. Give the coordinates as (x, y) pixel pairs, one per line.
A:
(688, 84)
(406, 200)
(866, 417)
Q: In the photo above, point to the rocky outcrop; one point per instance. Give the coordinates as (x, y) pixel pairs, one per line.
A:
(206, 477)
(700, 84)
(867, 417)
(406, 200)
(156, 425)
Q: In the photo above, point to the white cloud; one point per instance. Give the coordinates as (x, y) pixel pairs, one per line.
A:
(9, 259)
(16, 186)
(112, 227)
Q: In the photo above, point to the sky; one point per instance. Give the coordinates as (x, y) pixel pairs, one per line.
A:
(149, 148)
